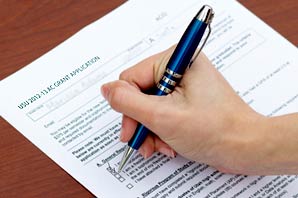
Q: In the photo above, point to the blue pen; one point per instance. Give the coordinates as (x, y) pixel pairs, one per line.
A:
(181, 59)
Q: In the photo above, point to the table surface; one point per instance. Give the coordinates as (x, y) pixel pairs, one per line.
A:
(28, 29)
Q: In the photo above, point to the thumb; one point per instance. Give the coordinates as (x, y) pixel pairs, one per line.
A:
(130, 101)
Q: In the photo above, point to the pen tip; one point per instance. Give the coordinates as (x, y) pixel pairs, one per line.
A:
(126, 157)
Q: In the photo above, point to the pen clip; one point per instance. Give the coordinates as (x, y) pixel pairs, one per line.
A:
(200, 49)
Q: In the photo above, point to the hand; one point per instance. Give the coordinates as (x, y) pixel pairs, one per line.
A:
(203, 119)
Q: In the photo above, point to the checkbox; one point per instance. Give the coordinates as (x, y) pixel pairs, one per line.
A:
(109, 169)
(129, 186)
(121, 179)
(117, 176)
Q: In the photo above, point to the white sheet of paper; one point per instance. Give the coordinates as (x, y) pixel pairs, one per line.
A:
(56, 103)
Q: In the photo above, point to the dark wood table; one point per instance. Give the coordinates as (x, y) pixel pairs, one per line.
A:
(30, 28)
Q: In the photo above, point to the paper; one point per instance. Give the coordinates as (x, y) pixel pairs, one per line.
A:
(56, 103)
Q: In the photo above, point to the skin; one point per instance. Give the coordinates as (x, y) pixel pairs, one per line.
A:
(203, 119)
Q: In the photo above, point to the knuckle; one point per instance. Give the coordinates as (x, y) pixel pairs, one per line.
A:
(124, 75)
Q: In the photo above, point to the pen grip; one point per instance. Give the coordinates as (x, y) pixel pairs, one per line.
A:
(141, 131)
(139, 137)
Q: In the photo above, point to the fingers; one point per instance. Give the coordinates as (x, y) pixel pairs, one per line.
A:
(128, 128)
(126, 99)
(153, 143)
(163, 147)
(147, 148)
(125, 96)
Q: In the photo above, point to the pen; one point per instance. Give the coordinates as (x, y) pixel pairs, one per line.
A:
(182, 58)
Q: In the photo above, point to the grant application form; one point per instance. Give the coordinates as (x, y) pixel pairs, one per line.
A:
(56, 103)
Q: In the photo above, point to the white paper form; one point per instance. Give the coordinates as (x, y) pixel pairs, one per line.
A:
(56, 103)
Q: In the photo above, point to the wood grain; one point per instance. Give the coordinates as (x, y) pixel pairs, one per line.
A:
(30, 28)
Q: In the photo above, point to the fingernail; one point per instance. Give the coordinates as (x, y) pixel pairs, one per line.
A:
(141, 151)
(121, 135)
(105, 91)
(145, 154)
(168, 152)
(174, 154)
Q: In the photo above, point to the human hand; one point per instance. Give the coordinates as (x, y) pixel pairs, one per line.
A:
(203, 119)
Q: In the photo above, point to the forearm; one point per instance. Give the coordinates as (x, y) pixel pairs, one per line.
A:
(269, 145)
(282, 133)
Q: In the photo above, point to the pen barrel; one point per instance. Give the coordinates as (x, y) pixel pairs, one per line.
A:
(187, 46)
(176, 67)
(139, 137)
(181, 57)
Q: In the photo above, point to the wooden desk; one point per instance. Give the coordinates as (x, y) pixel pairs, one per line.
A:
(28, 29)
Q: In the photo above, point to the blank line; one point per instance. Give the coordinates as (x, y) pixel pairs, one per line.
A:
(78, 108)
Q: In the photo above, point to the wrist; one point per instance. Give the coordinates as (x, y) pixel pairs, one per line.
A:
(243, 148)
(263, 145)
(282, 140)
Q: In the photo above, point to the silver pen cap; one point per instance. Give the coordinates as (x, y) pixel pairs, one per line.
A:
(205, 14)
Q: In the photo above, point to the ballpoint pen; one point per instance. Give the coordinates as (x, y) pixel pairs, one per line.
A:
(182, 58)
